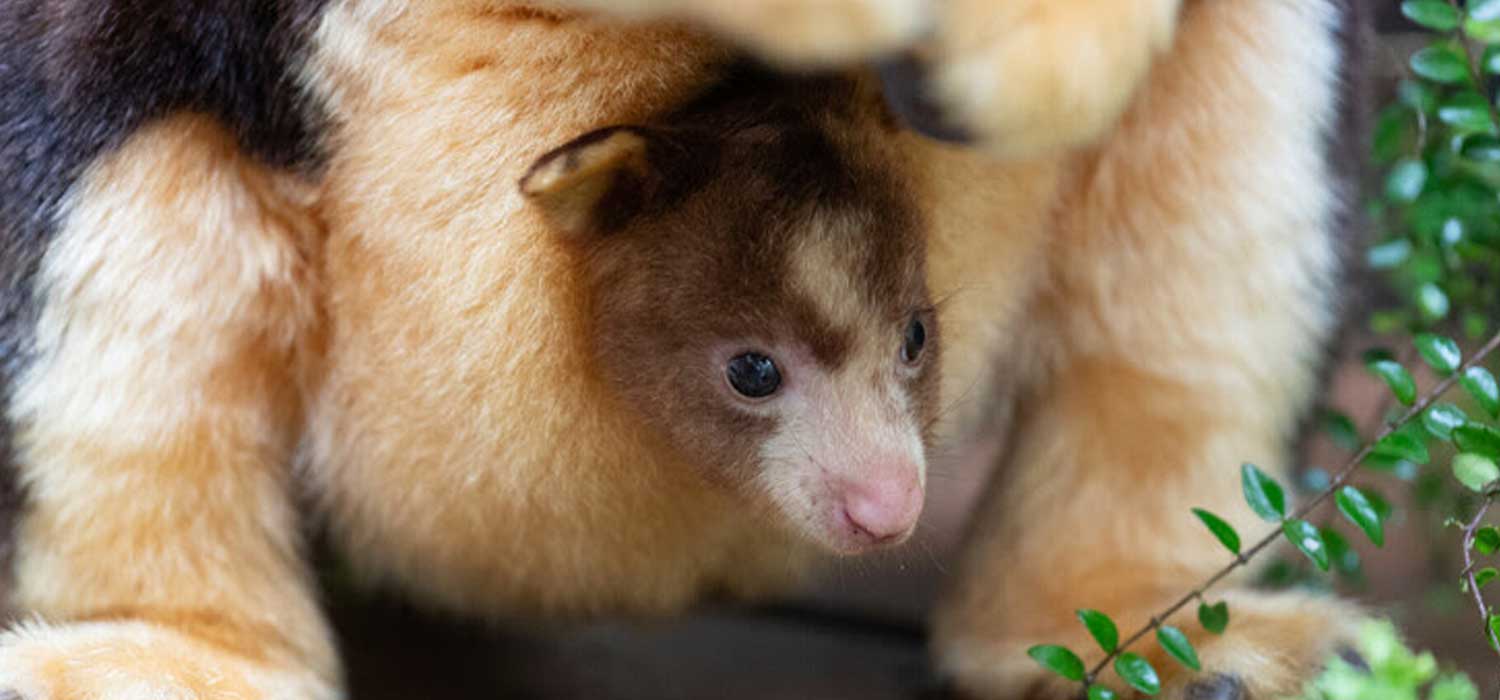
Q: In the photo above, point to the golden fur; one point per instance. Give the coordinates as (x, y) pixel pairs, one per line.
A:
(1147, 310)
(1147, 389)
(156, 427)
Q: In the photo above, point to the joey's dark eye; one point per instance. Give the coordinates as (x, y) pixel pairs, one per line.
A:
(753, 375)
(915, 340)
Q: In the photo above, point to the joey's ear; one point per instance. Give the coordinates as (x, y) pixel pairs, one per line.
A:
(597, 182)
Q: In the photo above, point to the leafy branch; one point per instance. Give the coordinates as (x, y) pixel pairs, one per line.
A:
(1484, 539)
(1268, 499)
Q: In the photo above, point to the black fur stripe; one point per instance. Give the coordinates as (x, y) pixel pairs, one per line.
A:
(77, 77)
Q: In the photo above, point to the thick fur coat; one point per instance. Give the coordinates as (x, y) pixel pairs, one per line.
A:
(262, 257)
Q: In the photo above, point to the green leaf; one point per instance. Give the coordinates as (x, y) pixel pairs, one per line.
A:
(1486, 31)
(1176, 643)
(1341, 557)
(1432, 14)
(1102, 628)
(1314, 479)
(1490, 61)
(1442, 354)
(1099, 692)
(1388, 321)
(1214, 618)
(1494, 629)
(1305, 535)
(1476, 325)
(1482, 386)
(1263, 493)
(1059, 660)
(1417, 95)
(1402, 446)
(1453, 686)
(1342, 430)
(1487, 540)
(1484, 10)
(1406, 180)
(1482, 147)
(1440, 63)
(1138, 673)
(1358, 509)
(1222, 530)
(1479, 439)
(1397, 378)
(1475, 471)
(1484, 576)
(1382, 506)
(1452, 235)
(1389, 254)
(1432, 301)
(1442, 418)
(1466, 111)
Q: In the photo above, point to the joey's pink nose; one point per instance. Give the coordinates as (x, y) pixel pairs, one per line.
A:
(885, 510)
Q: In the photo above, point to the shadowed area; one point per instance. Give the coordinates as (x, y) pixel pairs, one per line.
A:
(394, 652)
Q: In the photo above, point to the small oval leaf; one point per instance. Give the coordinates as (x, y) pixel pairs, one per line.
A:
(1484, 576)
(1358, 509)
(1402, 446)
(1442, 418)
(1484, 10)
(1382, 506)
(1453, 234)
(1389, 254)
(1262, 493)
(1138, 673)
(1307, 538)
(1222, 530)
(1214, 618)
(1433, 302)
(1485, 31)
(1442, 354)
(1487, 540)
(1466, 111)
(1099, 692)
(1481, 148)
(1440, 63)
(1101, 628)
(1059, 660)
(1342, 430)
(1176, 643)
(1341, 557)
(1432, 14)
(1417, 95)
(1475, 471)
(1406, 180)
(1490, 61)
(1397, 378)
(1479, 439)
(1482, 386)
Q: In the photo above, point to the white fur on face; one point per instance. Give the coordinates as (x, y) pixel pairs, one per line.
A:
(846, 464)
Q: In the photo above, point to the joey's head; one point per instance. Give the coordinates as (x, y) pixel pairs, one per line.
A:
(758, 295)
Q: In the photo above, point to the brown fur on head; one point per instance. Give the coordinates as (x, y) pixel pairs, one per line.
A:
(741, 234)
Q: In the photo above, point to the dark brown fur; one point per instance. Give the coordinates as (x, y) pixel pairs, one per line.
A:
(697, 250)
